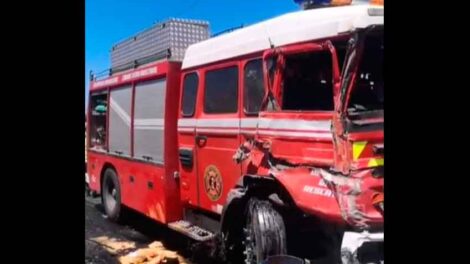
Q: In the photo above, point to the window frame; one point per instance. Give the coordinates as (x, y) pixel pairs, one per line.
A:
(195, 97)
(244, 85)
(90, 119)
(219, 68)
(283, 79)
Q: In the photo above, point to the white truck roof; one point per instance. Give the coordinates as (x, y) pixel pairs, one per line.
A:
(286, 29)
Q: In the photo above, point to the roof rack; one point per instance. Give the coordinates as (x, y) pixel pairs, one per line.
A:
(227, 31)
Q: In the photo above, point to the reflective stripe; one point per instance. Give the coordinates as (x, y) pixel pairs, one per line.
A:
(149, 127)
(186, 125)
(250, 132)
(186, 130)
(186, 122)
(295, 124)
(296, 134)
(249, 123)
(261, 123)
(218, 123)
(262, 126)
(149, 122)
(218, 131)
(375, 162)
(358, 148)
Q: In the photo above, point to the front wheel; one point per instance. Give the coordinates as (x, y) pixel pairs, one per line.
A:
(265, 232)
(111, 195)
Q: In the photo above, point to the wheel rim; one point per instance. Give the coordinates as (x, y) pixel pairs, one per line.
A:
(110, 194)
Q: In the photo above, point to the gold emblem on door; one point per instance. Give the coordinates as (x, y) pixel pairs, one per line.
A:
(213, 183)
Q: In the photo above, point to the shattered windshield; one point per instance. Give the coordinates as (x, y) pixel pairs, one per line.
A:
(368, 91)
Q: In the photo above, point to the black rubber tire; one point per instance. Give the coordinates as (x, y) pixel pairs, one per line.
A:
(87, 190)
(265, 233)
(111, 195)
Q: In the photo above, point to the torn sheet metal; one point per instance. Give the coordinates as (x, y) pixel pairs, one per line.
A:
(356, 195)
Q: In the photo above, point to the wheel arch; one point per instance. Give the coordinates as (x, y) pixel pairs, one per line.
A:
(249, 186)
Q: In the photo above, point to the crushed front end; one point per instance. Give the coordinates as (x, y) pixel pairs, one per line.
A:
(331, 162)
(359, 138)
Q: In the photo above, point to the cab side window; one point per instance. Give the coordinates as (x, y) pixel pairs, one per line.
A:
(188, 103)
(221, 91)
(253, 90)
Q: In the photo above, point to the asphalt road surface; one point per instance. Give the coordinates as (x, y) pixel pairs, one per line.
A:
(105, 241)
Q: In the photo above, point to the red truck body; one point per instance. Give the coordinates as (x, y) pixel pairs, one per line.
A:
(162, 201)
(326, 162)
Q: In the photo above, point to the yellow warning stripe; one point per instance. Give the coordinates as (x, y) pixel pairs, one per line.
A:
(375, 162)
(358, 148)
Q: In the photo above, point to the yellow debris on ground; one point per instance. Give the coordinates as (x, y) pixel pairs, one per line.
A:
(114, 246)
(154, 253)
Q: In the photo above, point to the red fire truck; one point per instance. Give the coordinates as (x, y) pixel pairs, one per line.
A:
(267, 140)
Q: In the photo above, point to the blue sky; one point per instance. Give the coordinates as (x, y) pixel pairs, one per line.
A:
(109, 21)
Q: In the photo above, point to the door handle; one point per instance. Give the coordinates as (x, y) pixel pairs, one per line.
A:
(201, 140)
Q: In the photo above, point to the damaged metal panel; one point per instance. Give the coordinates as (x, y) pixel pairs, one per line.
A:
(319, 191)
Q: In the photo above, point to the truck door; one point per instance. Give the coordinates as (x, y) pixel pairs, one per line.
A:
(186, 139)
(217, 135)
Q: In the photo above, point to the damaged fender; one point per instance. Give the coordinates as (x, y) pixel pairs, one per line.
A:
(356, 198)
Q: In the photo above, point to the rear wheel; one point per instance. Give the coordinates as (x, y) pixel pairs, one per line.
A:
(265, 232)
(111, 195)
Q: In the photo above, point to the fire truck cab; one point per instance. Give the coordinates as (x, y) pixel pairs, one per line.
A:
(267, 140)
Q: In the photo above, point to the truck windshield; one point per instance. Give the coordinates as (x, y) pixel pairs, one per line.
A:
(308, 79)
(368, 91)
(307, 83)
